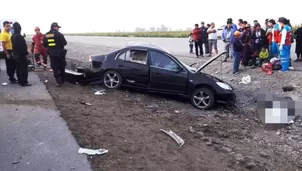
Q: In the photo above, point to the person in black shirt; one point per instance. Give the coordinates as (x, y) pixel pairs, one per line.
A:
(20, 55)
(55, 42)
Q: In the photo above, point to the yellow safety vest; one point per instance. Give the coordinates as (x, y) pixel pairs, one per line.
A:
(50, 40)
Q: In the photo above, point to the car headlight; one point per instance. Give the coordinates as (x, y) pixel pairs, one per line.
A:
(224, 85)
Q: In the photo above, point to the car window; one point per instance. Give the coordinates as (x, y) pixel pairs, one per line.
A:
(137, 56)
(161, 60)
(122, 56)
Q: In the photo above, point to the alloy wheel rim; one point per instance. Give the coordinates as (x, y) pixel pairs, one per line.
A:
(201, 99)
(111, 80)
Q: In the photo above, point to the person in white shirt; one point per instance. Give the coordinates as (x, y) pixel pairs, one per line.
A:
(212, 32)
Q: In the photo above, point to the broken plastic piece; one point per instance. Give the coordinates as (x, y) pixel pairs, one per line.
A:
(176, 138)
(246, 80)
(84, 103)
(92, 152)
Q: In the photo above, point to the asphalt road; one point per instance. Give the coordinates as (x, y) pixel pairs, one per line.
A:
(174, 45)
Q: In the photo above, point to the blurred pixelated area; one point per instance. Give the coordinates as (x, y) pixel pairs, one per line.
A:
(276, 112)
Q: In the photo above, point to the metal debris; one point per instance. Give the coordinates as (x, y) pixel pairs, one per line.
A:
(92, 152)
(85, 103)
(176, 138)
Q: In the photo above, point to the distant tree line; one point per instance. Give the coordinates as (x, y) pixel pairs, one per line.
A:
(162, 28)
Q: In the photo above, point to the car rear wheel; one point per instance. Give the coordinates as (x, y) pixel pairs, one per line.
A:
(203, 98)
(112, 80)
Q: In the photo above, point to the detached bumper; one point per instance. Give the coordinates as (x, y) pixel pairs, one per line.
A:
(227, 97)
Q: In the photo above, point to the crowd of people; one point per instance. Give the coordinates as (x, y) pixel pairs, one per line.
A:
(251, 45)
(16, 52)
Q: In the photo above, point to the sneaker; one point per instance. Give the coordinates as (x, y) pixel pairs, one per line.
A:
(236, 73)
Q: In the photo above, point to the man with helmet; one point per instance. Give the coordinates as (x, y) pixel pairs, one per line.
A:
(38, 49)
(56, 42)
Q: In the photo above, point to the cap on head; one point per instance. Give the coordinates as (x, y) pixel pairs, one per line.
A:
(237, 33)
(37, 29)
(55, 24)
(202, 22)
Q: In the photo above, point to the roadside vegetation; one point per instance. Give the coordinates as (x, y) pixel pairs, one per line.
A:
(167, 34)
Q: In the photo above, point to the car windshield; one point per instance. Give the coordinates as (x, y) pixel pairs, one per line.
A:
(147, 44)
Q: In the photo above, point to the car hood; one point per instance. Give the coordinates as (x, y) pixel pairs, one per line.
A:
(210, 61)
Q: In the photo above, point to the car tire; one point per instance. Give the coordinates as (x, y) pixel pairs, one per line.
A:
(203, 98)
(112, 80)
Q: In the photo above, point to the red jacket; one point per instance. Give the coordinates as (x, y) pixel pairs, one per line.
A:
(37, 45)
(197, 34)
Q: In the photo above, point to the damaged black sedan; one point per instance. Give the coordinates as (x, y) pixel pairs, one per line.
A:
(154, 69)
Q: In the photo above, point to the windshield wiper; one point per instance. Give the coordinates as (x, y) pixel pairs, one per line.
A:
(193, 64)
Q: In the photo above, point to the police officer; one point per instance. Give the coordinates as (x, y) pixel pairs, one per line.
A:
(55, 42)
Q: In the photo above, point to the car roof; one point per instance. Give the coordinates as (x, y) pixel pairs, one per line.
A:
(147, 45)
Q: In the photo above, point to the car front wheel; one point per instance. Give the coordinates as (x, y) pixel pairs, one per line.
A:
(203, 98)
(112, 79)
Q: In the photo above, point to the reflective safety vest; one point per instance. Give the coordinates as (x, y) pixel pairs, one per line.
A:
(50, 37)
(288, 36)
(276, 34)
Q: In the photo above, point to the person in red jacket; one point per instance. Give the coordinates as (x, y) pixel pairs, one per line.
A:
(38, 49)
(197, 36)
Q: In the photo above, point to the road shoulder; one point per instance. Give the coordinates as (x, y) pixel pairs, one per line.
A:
(33, 134)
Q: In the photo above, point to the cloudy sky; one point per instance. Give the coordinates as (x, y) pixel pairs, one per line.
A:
(126, 15)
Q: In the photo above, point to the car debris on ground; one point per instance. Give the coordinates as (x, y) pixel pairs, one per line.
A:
(179, 140)
(246, 80)
(85, 103)
(4, 84)
(92, 151)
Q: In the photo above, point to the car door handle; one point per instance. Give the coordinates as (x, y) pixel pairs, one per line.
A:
(121, 66)
(157, 73)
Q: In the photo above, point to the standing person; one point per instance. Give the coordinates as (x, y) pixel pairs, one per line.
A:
(20, 55)
(237, 49)
(259, 37)
(285, 44)
(240, 23)
(233, 24)
(191, 41)
(197, 40)
(275, 38)
(56, 42)
(269, 35)
(227, 36)
(7, 49)
(204, 37)
(246, 39)
(38, 49)
(298, 34)
(212, 32)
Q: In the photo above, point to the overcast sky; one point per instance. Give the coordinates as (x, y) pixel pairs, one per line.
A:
(126, 15)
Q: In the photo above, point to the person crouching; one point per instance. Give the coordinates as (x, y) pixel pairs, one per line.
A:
(264, 56)
(237, 49)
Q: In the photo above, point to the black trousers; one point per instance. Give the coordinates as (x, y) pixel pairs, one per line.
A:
(191, 48)
(58, 64)
(10, 66)
(22, 69)
(299, 55)
(206, 46)
(198, 45)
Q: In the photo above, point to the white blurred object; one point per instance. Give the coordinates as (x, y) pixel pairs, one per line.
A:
(45, 81)
(92, 152)
(176, 138)
(4, 84)
(99, 93)
(291, 68)
(273, 60)
(246, 80)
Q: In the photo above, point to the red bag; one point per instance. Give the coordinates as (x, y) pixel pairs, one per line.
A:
(268, 68)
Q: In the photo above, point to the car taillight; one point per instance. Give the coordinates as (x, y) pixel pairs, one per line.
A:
(90, 59)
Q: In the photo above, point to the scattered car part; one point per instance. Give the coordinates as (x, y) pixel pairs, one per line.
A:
(288, 88)
(84, 103)
(92, 152)
(176, 138)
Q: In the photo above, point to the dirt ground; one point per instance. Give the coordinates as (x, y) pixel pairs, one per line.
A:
(128, 123)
